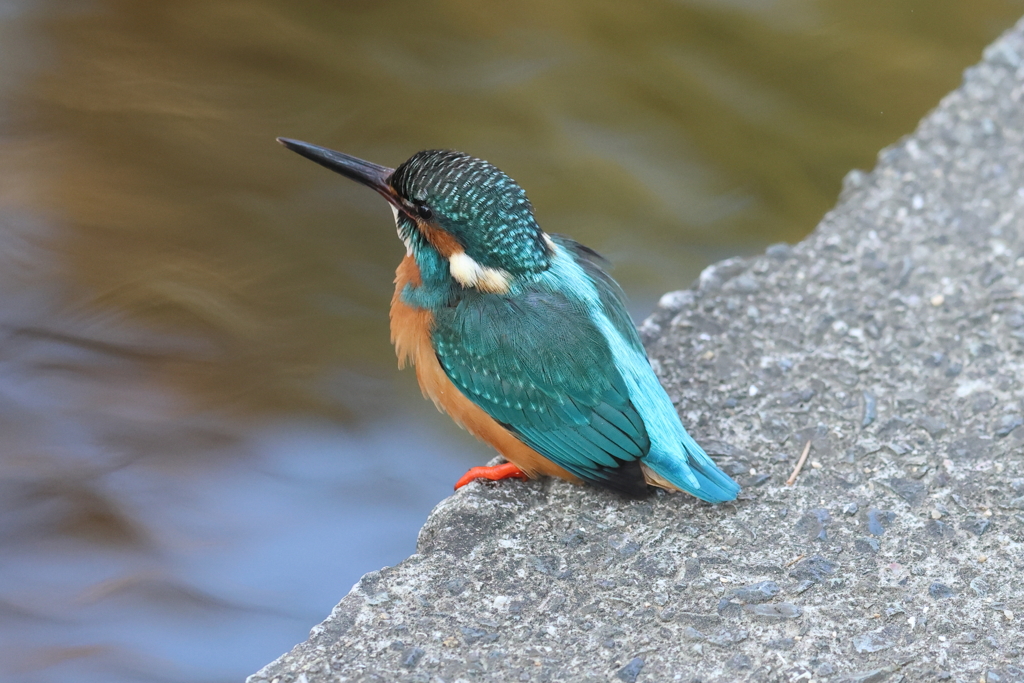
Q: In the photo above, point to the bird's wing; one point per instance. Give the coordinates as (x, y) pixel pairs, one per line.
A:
(684, 464)
(539, 366)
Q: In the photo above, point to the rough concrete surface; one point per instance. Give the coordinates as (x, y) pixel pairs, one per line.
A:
(892, 340)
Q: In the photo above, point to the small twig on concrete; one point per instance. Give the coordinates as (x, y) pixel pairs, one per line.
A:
(795, 560)
(799, 465)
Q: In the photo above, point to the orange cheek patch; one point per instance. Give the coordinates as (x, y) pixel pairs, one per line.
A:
(443, 241)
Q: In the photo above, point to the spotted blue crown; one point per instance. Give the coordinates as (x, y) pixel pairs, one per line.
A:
(484, 209)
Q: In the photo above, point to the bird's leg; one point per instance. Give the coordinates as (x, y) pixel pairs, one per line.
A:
(495, 473)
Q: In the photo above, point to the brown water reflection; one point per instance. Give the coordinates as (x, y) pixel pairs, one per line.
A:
(203, 439)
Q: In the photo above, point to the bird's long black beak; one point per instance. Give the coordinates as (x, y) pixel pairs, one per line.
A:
(365, 172)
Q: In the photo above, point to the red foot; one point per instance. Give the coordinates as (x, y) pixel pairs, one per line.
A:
(495, 473)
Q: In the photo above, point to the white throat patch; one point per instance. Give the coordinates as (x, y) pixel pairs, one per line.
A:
(468, 273)
(408, 245)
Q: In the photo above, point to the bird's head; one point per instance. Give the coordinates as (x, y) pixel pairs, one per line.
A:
(454, 206)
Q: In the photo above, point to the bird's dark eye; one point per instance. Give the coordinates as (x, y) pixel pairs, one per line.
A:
(424, 212)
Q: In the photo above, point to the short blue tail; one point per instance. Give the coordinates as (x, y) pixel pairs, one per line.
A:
(696, 467)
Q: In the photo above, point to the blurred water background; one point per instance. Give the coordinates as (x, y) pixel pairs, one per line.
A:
(204, 440)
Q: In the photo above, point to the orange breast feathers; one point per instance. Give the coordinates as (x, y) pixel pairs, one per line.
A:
(410, 333)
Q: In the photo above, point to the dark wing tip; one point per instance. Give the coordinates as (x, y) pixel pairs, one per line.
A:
(627, 480)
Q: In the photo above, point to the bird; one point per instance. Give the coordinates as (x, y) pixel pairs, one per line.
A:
(521, 336)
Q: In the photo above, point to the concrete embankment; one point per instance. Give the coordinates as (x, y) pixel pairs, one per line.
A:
(891, 339)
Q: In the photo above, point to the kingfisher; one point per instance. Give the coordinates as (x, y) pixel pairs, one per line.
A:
(521, 336)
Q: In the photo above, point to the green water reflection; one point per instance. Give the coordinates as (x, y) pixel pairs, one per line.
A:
(185, 303)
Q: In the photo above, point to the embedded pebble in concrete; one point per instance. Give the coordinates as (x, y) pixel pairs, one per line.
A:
(762, 591)
(892, 340)
(866, 544)
(876, 521)
(873, 641)
(629, 672)
(813, 570)
(976, 525)
(782, 610)
(872, 676)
